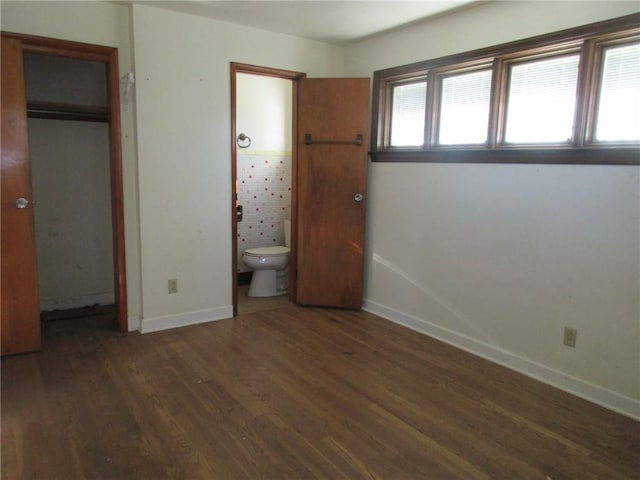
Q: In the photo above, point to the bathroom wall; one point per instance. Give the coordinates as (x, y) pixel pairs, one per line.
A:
(263, 112)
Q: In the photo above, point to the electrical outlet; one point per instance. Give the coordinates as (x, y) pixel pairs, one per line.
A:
(570, 335)
(173, 285)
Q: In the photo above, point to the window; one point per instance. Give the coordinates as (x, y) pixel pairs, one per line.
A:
(557, 98)
(464, 108)
(618, 116)
(408, 113)
(541, 100)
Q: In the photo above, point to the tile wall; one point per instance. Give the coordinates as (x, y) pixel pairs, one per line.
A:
(264, 191)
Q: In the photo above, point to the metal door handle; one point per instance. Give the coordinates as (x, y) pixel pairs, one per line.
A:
(358, 197)
(22, 202)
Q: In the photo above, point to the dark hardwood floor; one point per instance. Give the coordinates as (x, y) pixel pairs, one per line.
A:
(292, 393)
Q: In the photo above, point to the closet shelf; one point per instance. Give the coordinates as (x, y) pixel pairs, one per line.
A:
(67, 111)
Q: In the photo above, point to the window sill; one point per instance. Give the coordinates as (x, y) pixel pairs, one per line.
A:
(560, 156)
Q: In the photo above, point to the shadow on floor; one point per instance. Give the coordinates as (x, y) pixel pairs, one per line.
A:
(95, 318)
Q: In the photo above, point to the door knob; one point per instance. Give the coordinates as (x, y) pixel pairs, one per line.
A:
(22, 202)
(358, 197)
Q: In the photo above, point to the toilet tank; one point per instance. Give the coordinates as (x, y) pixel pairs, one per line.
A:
(287, 233)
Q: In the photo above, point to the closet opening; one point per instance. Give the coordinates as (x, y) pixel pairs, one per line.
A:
(68, 134)
(74, 138)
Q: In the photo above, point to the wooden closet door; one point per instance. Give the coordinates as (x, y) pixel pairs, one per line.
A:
(20, 321)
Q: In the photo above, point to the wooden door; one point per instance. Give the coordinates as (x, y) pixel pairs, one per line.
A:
(20, 323)
(333, 126)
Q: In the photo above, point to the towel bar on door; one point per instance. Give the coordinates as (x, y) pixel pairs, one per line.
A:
(308, 140)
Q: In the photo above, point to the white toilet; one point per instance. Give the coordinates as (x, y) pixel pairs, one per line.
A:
(270, 267)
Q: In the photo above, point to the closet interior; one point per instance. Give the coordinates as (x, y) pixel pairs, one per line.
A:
(68, 129)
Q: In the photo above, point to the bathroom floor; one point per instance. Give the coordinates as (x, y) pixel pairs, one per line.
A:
(247, 304)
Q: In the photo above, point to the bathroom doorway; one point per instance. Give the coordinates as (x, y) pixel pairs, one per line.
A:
(263, 171)
(330, 124)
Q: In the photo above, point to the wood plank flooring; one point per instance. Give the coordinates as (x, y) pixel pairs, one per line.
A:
(247, 304)
(292, 393)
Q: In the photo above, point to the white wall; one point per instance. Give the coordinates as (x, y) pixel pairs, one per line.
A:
(72, 210)
(104, 24)
(263, 111)
(497, 259)
(184, 146)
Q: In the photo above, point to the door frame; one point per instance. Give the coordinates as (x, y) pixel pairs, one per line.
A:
(108, 56)
(294, 77)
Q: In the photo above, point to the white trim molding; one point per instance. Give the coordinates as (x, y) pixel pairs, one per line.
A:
(594, 393)
(156, 324)
(133, 322)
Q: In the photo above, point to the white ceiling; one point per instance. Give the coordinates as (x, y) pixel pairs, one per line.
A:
(331, 21)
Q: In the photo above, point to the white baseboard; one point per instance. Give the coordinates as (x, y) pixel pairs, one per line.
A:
(133, 323)
(183, 319)
(594, 393)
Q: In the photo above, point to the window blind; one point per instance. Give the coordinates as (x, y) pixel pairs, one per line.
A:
(464, 108)
(408, 114)
(541, 100)
(619, 97)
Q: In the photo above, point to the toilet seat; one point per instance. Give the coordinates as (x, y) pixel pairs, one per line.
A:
(266, 251)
